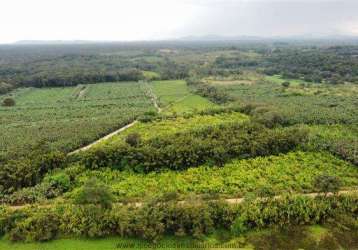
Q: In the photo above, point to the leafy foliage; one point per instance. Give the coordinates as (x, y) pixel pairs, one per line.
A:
(94, 193)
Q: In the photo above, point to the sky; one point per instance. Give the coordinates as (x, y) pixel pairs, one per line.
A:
(123, 20)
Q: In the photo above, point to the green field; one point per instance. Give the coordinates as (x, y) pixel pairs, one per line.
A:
(67, 118)
(175, 97)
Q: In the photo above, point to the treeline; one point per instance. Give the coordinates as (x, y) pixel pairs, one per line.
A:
(153, 220)
(79, 67)
(314, 65)
(58, 80)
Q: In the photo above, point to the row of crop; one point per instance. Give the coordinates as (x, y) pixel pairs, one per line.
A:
(46, 117)
(153, 220)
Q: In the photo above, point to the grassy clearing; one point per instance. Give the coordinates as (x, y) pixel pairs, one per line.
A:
(293, 172)
(175, 97)
(67, 118)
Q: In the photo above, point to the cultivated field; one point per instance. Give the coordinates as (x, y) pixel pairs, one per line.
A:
(66, 118)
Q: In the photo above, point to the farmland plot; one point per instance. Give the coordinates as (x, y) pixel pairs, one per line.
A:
(67, 118)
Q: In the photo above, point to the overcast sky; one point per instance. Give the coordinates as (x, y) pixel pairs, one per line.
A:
(164, 19)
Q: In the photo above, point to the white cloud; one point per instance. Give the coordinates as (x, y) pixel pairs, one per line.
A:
(158, 19)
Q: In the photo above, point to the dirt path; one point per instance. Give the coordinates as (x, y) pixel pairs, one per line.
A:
(153, 97)
(232, 201)
(82, 92)
(103, 138)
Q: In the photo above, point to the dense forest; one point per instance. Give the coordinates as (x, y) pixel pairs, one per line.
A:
(69, 65)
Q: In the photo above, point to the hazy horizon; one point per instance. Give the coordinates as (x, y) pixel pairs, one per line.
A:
(139, 20)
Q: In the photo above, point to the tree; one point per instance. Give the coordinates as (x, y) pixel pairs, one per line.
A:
(325, 183)
(93, 192)
(8, 102)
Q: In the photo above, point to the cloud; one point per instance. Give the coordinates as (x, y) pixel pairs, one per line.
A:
(160, 19)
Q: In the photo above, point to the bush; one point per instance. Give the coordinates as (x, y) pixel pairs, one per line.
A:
(93, 192)
(239, 226)
(286, 84)
(16, 174)
(270, 118)
(325, 184)
(88, 221)
(8, 102)
(41, 226)
(60, 182)
(133, 139)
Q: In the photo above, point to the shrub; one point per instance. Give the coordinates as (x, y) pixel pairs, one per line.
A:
(49, 161)
(191, 218)
(93, 192)
(133, 139)
(239, 226)
(60, 182)
(86, 220)
(41, 226)
(16, 174)
(270, 118)
(8, 102)
(286, 84)
(325, 184)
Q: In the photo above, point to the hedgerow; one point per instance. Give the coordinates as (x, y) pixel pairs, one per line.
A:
(154, 219)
